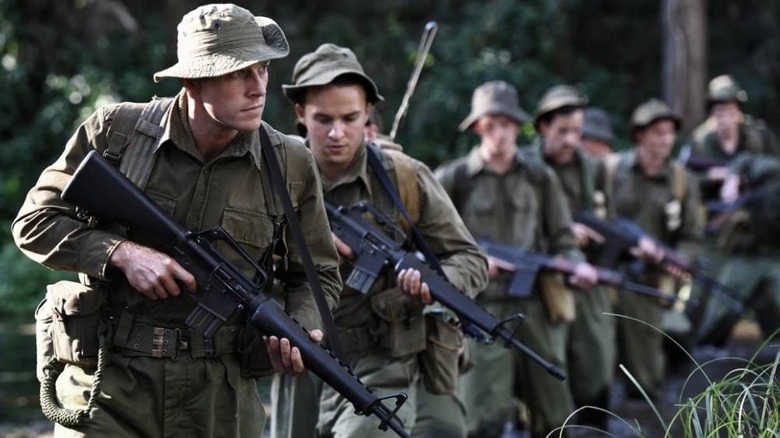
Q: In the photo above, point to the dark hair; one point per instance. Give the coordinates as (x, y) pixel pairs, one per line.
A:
(562, 111)
(299, 96)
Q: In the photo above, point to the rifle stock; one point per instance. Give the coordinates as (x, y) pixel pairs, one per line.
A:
(349, 225)
(223, 289)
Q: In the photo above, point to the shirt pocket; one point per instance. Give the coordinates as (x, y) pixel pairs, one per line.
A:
(252, 230)
(166, 203)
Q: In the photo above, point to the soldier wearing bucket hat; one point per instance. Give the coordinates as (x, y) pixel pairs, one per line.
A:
(559, 120)
(660, 196)
(597, 134)
(196, 155)
(504, 196)
(333, 97)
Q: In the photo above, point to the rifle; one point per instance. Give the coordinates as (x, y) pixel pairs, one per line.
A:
(375, 248)
(223, 289)
(621, 235)
(528, 264)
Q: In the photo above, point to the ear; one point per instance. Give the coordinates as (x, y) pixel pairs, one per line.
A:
(300, 112)
(193, 87)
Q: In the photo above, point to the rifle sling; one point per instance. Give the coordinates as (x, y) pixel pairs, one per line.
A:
(277, 181)
(376, 165)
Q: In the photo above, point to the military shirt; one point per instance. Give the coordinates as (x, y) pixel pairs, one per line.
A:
(576, 176)
(649, 201)
(524, 206)
(752, 137)
(439, 223)
(198, 193)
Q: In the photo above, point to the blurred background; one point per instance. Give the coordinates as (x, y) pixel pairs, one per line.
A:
(60, 60)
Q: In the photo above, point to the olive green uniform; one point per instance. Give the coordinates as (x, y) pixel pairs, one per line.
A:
(524, 207)
(148, 396)
(646, 201)
(384, 354)
(591, 349)
(752, 270)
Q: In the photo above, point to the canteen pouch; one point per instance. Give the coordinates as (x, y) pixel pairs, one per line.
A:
(253, 355)
(439, 361)
(69, 322)
(400, 326)
(558, 299)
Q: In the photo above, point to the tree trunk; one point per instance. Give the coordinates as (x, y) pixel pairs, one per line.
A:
(685, 58)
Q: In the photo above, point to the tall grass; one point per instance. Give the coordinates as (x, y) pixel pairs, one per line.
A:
(744, 403)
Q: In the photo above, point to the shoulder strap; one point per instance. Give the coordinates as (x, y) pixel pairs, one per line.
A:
(460, 188)
(278, 182)
(406, 181)
(139, 125)
(679, 181)
(376, 165)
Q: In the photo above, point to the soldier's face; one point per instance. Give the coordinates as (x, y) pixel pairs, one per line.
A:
(234, 101)
(727, 117)
(335, 117)
(562, 135)
(498, 134)
(657, 139)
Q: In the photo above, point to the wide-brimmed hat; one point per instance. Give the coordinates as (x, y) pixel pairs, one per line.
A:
(724, 88)
(557, 97)
(494, 98)
(597, 125)
(323, 66)
(218, 39)
(652, 111)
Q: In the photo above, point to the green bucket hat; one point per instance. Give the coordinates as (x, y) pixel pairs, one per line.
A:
(557, 97)
(322, 67)
(494, 98)
(218, 39)
(597, 125)
(652, 111)
(725, 89)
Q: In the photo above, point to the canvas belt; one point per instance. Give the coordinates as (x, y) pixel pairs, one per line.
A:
(137, 337)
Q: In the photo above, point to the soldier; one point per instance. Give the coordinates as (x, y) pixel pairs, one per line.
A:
(727, 134)
(591, 344)
(597, 135)
(161, 377)
(752, 270)
(647, 188)
(505, 197)
(382, 331)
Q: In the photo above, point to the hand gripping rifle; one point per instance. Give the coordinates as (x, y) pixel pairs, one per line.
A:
(223, 289)
(374, 249)
(528, 264)
(621, 235)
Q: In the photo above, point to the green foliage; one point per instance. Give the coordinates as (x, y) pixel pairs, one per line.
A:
(22, 285)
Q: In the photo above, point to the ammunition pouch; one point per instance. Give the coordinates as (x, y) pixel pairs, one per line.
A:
(69, 322)
(558, 298)
(399, 327)
(439, 360)
(253, 354)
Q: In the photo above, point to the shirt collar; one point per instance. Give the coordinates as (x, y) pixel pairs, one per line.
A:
(357, 171)
(476, 164)
(664, 173)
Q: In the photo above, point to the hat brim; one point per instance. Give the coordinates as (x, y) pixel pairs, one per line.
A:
(671, 117)
(295, 92)
(598, 134)
(518, 115)
(218, 64)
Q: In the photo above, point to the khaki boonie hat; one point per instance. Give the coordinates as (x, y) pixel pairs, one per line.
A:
(557, 97)
(494, 98)
(597, 125)
(652, 111)
(725, 89)
(217, 39)
(323, 66)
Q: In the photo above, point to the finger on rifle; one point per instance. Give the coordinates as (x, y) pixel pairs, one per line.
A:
(594, 235)
(297, 361)
(184, 276)
(342, 248)
(503, 264)
(272, 344)
(425, 294)
(285, 350)
(316, 335)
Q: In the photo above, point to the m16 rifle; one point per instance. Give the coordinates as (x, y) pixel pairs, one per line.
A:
(223, 289)
(528, 264)
(374, 248)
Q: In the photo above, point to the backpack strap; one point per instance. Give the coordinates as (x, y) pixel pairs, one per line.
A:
(406, 181)
(139, 125)
(679, 181)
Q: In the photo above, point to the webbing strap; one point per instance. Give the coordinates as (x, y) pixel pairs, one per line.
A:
(277, 180)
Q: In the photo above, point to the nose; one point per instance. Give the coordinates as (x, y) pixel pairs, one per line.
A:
(336, 130)
(256, 83)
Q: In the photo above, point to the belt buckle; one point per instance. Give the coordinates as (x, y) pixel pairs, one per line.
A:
(182, 341)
